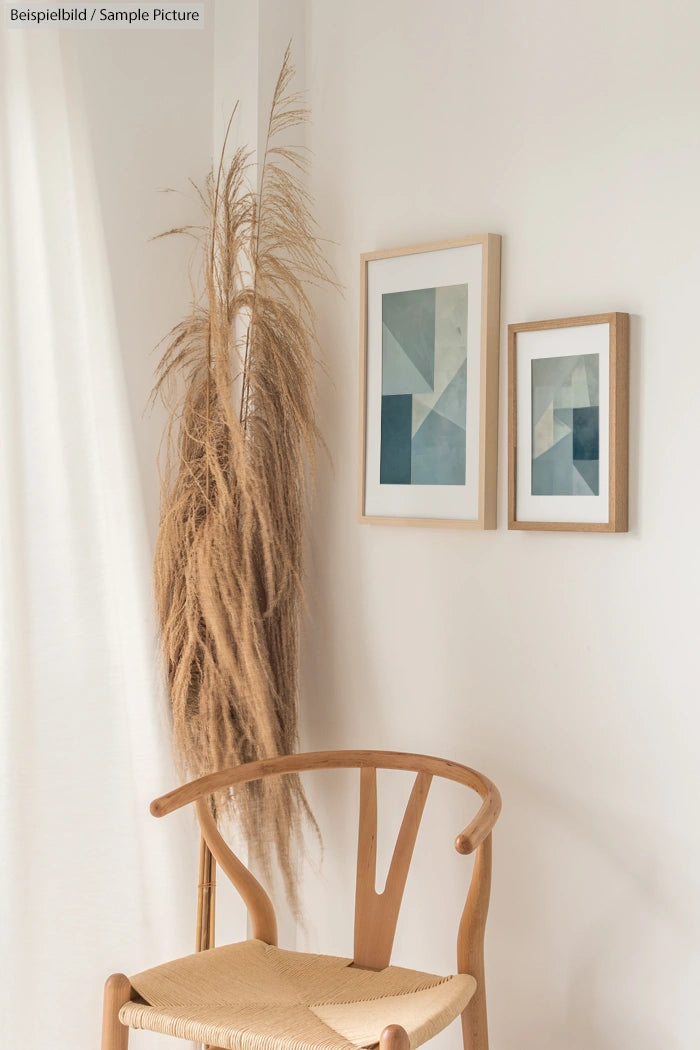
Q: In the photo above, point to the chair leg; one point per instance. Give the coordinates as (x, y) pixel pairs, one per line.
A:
(475, 1031)
(394, 1037)
(115, 1035)
(470, 948)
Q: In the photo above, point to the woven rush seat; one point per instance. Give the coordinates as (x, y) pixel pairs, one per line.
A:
(254, 996)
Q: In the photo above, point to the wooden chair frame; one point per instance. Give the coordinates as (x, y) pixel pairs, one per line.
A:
(376, 914)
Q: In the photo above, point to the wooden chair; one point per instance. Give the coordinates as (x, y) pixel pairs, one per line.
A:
(255, 996)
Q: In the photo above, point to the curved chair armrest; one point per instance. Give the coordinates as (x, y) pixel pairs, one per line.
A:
(259, 905)
(476, 831)
(299, 763)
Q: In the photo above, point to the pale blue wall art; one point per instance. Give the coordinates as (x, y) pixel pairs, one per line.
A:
(565, 426)
(424, 387)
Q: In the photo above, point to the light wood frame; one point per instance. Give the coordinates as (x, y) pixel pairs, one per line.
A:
(618, 424)
(376, 914)
(488, 399)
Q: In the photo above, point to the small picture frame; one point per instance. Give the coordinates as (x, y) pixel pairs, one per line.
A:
(429, 384)
(568, 400)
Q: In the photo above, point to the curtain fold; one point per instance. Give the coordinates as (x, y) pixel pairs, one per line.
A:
(88, 883)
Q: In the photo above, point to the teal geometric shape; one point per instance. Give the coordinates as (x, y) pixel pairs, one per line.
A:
(592, 365)
(422, 404)
(552, 371)
(542, 398)
(410, 317)
(564, 395)
(543, 432)
(395, 447)
(580, 397)
(451, 317)
(452, 404)
(550, 428)
(570, 382)
(586, 433)
(399, 374)
(438, 453)
(560, 430)
(589, 469)
(552, 472)
(579, 484)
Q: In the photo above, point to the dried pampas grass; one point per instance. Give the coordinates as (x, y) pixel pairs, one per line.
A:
(238, 377)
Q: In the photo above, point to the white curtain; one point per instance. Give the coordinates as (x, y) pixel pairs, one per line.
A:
(89, 882)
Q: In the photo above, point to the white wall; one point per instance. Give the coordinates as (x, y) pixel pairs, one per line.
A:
(563, 665)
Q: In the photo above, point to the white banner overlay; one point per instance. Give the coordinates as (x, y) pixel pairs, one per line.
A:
(108, 16)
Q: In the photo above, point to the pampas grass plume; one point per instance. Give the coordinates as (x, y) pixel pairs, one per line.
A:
(237, 375)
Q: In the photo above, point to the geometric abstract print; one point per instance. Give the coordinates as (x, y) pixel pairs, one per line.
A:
(565, 426)
(424, 387)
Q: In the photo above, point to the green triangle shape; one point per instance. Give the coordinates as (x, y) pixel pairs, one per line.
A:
(399, 374)
(452, 404)
(410, 317)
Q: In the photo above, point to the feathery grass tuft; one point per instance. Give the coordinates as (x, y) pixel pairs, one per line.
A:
(240, 447)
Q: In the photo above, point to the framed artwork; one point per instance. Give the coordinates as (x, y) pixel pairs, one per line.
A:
(568, 397)
(429, 384)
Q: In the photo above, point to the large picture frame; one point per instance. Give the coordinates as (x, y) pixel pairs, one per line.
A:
(568, 399)
(429, 384)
